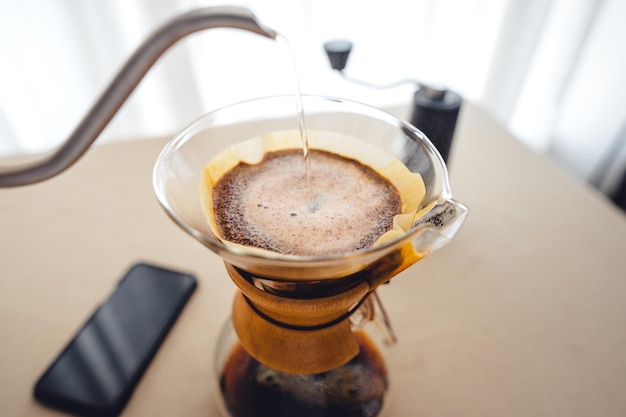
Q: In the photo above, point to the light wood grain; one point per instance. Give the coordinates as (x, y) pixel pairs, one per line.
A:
(523, 314)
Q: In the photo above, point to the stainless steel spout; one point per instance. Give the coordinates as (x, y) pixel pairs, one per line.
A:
(123, 85)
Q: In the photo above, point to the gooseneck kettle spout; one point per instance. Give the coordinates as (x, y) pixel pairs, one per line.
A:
(123, 85)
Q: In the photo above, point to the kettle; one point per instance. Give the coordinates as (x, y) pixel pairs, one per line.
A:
(123, 84)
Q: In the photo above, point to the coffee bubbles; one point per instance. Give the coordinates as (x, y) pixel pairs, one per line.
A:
(266, 205)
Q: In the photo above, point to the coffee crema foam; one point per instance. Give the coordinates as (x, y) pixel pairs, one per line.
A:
(267, 205)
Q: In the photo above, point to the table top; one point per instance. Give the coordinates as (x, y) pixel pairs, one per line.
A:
(522, 314)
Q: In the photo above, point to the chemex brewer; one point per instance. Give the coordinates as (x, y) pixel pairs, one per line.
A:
(236, 181)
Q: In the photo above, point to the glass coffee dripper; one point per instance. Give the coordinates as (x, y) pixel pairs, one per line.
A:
(298, 320)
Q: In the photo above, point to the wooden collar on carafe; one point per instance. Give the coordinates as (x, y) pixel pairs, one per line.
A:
(295, 335)
(308, 335)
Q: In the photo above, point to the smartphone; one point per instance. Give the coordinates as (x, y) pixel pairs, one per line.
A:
(98, 370)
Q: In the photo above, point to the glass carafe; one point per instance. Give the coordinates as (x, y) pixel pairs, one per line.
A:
(301, 321)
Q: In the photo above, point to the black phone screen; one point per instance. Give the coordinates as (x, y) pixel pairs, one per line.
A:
(98, 370)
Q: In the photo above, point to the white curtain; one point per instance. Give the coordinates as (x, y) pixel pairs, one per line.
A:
(550, 70)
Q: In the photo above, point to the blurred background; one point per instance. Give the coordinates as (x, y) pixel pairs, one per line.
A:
(552, 71)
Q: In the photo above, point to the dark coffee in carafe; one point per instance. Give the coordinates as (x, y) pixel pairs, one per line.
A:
(355, 389)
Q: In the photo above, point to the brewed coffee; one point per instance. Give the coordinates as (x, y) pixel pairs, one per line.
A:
(356, 389)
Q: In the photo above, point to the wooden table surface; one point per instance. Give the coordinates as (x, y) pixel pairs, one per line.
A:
(523, 314)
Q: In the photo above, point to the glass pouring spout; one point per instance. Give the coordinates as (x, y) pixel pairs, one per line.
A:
(125, 82)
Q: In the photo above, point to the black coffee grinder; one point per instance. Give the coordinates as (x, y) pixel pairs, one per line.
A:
(435, 108)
